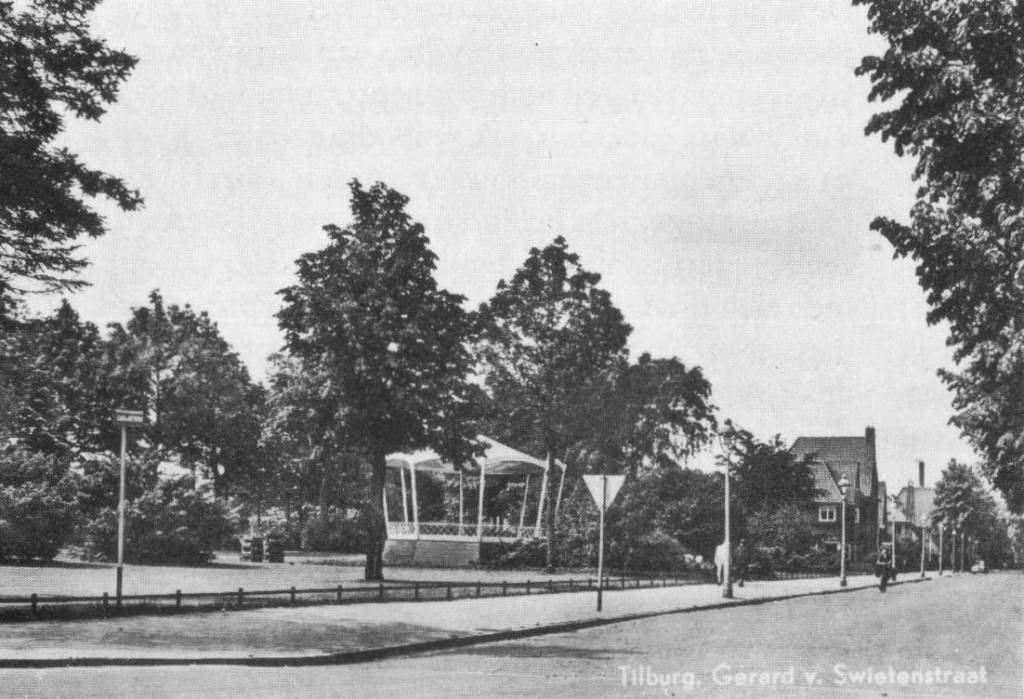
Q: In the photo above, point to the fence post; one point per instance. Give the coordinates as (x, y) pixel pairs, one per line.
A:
(416, 590)
(477, 588)
(106, 602)
(551, 585)
(504, 588)
(623, 582)
(339, 593)
(241, 595)
(177, 599)
(449, 592)
(570, 584)
(380, 591)
(527, 587)
(293, 595)
(35, 602)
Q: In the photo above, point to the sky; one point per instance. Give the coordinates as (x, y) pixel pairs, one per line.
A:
(707, 158)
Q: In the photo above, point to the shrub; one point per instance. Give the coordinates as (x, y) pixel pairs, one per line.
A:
(37, 506)
(653, 552)
(174, 523)
(338, 534)
(519, 553)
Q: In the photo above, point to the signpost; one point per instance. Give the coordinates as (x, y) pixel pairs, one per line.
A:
(603, 489)
(123, 419)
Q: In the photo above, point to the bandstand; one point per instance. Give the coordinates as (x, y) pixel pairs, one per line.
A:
(438, 513)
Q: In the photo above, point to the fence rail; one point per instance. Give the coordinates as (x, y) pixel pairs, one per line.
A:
(37, 606)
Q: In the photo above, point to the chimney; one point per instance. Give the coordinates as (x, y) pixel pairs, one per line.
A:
(869, 435)
(920, 473)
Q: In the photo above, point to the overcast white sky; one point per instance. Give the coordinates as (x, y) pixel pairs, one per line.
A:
(708, 158)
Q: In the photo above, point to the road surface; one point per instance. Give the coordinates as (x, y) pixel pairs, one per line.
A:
(959, 637)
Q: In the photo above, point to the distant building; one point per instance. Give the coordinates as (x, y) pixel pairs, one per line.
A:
(832, 458)
(912, 510)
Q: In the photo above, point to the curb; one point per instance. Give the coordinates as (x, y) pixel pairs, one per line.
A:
(352, 657)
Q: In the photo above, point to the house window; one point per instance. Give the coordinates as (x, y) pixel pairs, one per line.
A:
(827, 513)
(856, 515)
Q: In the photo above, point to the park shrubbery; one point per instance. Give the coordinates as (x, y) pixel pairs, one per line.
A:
(174, 523)
(518, 553)
(337, 533)
(37, 506)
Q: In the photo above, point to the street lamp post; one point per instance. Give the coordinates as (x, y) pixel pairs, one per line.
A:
(726, 460)
(942, 528)
(892, 557)
(922, 550)
(124, 419)
(843, 484)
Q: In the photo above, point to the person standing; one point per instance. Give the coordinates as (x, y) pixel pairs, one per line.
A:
(740, 559)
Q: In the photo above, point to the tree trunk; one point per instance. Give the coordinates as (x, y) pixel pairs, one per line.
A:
(550, 497)
(376, 531)
(324, 483)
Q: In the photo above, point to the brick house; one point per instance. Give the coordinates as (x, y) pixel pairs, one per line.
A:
(832, 458)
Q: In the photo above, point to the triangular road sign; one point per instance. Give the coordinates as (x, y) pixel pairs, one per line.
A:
(594, 486)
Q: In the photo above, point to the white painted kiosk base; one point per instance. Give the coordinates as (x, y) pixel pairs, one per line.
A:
(430, 552)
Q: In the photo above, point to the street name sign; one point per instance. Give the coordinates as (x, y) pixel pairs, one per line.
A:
(129, 417)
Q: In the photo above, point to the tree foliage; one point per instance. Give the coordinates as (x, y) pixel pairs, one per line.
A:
(766, 475)
(52, 382)
(203, 407)
(956, 73)
(388, 345)
(551, 338)
(650, 413)
(961, 501)
(51, 68)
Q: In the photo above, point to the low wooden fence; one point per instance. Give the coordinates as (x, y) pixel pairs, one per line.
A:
(61, 606)
(38, 606)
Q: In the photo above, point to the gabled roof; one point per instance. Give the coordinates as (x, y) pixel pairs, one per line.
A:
(853, 457)
(498, 460)
(826, 480)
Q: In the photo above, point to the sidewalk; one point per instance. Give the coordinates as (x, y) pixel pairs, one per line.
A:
(354, 633)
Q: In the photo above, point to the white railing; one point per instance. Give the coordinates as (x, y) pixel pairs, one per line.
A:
(401, 529)
(407, 530)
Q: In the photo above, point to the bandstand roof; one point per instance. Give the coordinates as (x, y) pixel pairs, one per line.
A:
(499, 460)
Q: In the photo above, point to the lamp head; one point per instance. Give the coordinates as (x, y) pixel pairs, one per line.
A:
(843, 484)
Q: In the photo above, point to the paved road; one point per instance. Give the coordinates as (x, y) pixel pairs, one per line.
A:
(962, 625)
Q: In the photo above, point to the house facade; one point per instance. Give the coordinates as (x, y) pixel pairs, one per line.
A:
(831, 460)
(912, 513)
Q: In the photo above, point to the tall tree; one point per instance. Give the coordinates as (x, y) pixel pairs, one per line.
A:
(657, 413)
(549, 337)
(963, 502)
(301, 444)
(390, 346)
(957, 72)
(51, 377)
(51, 67)
(203, 407)
(765, 474)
